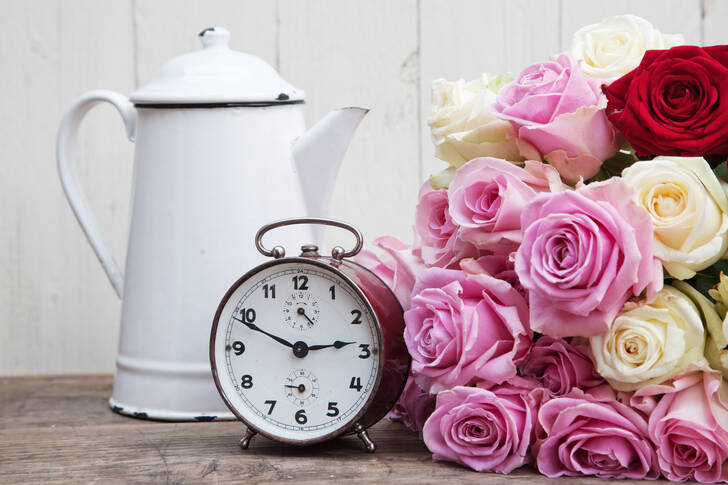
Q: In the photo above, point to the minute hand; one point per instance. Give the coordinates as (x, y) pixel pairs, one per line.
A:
(253, 326)
(337, 345)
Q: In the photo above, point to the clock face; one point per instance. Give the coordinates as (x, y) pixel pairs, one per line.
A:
(296, 349)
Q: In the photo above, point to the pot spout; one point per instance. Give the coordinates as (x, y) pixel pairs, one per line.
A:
(318, 155)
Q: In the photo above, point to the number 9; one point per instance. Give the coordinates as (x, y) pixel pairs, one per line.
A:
(238, 347)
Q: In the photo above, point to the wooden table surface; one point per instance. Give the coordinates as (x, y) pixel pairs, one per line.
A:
(60, 429)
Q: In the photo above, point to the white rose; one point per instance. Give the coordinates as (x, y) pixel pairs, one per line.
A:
(464, 127)
(615, 46)
(688, 207)
(649, 344)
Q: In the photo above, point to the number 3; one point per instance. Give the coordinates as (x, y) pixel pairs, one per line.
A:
(365, 352)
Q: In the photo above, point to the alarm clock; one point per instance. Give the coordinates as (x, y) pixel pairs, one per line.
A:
(304, 349)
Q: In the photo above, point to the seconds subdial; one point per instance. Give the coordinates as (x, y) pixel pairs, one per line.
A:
(301, 310)
(301, 387)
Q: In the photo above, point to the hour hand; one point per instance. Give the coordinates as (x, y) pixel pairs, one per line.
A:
(256, 328)
(302, 311)
(337, 345)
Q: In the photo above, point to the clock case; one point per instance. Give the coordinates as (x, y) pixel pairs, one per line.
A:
(394, 359)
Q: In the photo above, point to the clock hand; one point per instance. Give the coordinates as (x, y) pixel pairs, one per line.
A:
(302, 311)
(337, 345)
(253, 326)
(299, 387)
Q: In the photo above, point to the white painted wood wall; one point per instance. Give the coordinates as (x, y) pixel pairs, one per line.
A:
(58, 314)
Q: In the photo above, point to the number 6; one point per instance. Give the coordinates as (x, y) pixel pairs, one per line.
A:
(301, 416)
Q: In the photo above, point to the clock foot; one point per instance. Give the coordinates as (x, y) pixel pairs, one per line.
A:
(245, 442)
(364, 436)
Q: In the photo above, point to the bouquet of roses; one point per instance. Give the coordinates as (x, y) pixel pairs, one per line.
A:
(564, 301)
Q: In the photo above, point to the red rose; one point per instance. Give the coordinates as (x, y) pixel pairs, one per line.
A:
(674, 103)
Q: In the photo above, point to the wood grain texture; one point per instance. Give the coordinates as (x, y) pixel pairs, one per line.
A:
(464, 38)
(345, 53)
(48, 273)
(715, 20)
(668, 16)
(59, 314)
(161, 35)
(60, 430)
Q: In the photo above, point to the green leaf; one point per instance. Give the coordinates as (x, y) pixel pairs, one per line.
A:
(601, 176)
(620, 161)
(612, 167)
(721, 171)
(706, 279)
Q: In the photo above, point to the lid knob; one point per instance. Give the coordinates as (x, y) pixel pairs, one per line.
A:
(214, 37)
(216, 74)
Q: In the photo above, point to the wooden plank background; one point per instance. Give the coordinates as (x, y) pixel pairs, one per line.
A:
(58, 429)
(57, 311)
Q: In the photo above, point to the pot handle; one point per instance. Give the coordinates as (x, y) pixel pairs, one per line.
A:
(65, 150)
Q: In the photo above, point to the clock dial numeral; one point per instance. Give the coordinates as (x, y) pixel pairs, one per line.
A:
(357, 317)
(238, 347)
(301, 416)
(365, 352)
(332, 290)
(272, 404)
(300, 282)
(269, 291)
(355, 384)
(246, 382)
(333, 410)
(248, 314)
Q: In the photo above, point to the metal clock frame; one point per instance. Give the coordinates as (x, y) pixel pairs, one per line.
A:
(310, 257)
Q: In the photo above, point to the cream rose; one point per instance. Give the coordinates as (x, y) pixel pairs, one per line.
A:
(649, 344)
(720, 294)
(615, 46)
(464, 127)
(716, 346)
(688, 208)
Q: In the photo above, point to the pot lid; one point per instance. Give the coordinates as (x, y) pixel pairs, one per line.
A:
(216, 74)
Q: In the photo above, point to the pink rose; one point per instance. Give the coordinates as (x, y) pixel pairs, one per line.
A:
(488, 195)
(555, 108)
(487, 430)
(436, 235)
(464, 328)
(560, 366)
(413, 407)
(499, 266)
(588, 436)
(584, 253)
(643, 404)
(689, 426)
(398, 267)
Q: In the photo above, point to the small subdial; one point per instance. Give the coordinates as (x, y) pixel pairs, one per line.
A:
(301, 387)
(301, 310)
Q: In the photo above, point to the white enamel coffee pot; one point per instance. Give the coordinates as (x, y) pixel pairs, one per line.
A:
(221, 150)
